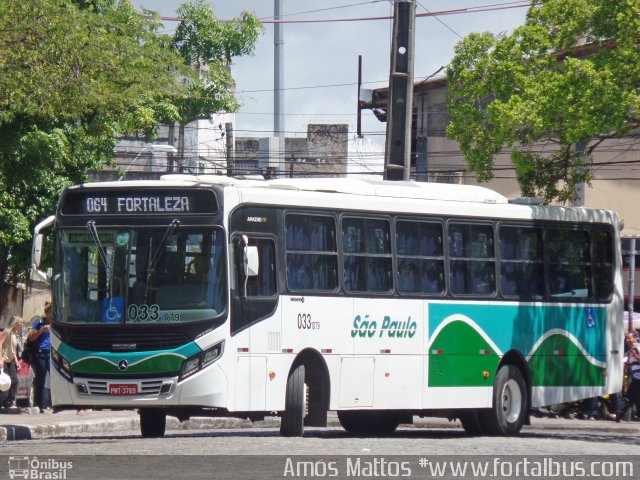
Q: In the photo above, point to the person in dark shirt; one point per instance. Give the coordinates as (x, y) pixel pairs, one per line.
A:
(40, 334)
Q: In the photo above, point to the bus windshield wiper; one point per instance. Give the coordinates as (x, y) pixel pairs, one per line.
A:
(157, 254)
(160, 249)
(91, 226)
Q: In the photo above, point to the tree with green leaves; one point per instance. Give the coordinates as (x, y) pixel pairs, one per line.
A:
(551, 92)
(75, 75)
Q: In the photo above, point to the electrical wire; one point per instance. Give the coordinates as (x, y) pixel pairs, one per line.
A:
(479, 9)
(440, 21)
(326, 9)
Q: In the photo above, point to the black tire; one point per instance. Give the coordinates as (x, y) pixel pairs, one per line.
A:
(369, 422)
(471, 423)
(292, 421)
(509, 411)
(153, 422)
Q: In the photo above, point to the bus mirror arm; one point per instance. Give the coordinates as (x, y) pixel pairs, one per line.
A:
(36, 250)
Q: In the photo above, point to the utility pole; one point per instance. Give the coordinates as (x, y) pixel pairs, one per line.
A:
(278, 86)
(359, 119)
(400, 104)
(171, 140)
(632, 279)
(230, 148)
(181, 160)
(581, 147)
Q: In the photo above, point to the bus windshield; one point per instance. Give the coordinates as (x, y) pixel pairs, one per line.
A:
(142, 275)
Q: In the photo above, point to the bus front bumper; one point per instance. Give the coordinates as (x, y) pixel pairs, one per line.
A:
(206, 388)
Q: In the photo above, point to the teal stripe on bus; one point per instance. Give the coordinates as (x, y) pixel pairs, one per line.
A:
(519, 327)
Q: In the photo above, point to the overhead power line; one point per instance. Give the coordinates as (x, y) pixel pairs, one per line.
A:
(460, 11)
(339, 7)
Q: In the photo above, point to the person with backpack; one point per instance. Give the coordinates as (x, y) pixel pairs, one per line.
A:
(633, 369)
(9, 345)
(40, 335)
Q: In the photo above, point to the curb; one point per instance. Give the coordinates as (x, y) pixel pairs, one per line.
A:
(31, 432)
(56, 428)
(18, 432)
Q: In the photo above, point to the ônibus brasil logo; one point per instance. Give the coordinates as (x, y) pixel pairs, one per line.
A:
(368, 328)
(37, 468)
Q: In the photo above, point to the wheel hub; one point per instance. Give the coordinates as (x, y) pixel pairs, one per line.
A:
(511, 401)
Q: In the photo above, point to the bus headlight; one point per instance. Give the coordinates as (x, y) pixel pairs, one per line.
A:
(61, 364)
(193, 364)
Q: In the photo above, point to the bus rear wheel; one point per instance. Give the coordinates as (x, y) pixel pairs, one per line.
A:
(292, 420)
(153, 422)
(509, 411)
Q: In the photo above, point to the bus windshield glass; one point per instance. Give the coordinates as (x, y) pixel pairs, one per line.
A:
(146, 275)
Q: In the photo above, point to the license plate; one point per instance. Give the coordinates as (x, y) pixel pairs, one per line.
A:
(123, 389)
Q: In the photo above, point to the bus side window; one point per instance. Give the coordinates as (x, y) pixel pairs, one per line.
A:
(603, 264)
(311, 252)
(420, 257)
(367, 268)
(472, 259)
(569, 266)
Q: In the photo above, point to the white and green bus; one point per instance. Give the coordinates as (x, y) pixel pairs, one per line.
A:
(205, 295)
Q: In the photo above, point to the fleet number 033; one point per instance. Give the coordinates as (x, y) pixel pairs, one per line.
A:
(305, 322)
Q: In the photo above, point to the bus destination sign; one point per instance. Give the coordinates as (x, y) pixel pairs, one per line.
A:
(116, 203)
(126, 204)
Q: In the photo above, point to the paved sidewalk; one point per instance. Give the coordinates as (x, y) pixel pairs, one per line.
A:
(29, 425)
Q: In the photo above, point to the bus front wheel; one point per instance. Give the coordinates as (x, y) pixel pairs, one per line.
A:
(292, 420)
(509, 411)
(153, 422)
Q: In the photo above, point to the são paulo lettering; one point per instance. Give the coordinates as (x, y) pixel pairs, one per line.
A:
(367, 327)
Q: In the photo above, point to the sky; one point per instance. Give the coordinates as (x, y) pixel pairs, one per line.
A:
(320, 59)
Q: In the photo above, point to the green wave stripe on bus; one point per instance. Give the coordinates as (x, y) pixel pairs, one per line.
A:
(158, 364)
(459, 356)
(85, 362)
(558, 361)
(520, 327)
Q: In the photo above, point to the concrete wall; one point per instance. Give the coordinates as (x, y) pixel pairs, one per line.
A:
(26, 302)
(324, 152)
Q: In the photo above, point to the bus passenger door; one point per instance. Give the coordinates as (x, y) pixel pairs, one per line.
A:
(253, 315)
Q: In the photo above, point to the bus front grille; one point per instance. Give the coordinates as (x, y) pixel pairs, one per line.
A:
(134, 341)
(145, 387)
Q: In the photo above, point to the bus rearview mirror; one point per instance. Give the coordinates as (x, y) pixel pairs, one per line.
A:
(36, 253)
(252, 263)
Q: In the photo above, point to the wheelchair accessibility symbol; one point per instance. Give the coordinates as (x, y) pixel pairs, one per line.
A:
(113, 310)
(591, 320)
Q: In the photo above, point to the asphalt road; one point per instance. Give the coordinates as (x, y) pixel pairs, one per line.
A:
(107, 445)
